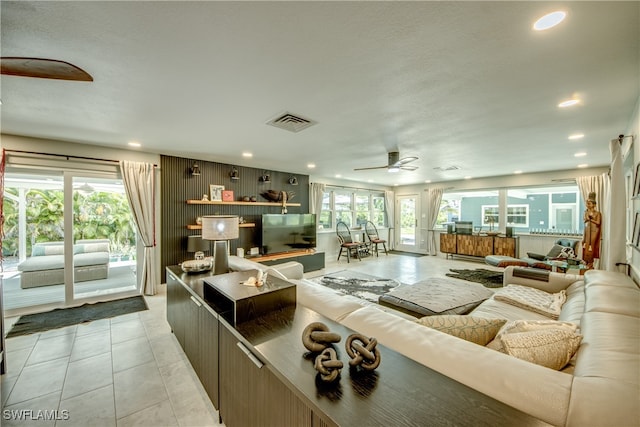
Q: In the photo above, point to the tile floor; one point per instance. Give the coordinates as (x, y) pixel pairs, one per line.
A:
(130, 370)
(124, 371)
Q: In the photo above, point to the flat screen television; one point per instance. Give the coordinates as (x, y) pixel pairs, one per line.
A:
(288, 232)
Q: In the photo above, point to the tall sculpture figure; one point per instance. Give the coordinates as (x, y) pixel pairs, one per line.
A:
(591, 238)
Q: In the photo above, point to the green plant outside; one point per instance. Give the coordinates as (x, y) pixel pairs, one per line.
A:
(98, 215)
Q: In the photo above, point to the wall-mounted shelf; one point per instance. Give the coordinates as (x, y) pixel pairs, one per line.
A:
(199, 227)
(209, 202)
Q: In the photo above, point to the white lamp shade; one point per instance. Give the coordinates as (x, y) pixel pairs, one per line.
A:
(220, 227)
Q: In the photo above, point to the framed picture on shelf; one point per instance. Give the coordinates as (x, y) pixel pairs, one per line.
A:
(636, 182)
(215, 192)
(227, 195)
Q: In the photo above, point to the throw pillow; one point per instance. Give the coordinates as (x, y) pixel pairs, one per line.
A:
(475, 329)
(552, 348)
(532, 299)
(516, 326)
(567, 253)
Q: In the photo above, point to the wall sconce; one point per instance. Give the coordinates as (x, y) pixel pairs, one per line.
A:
(293, 180)
(265, 177)
(235, 176)
(195, 170)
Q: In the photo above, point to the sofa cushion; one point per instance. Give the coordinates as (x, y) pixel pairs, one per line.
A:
(97, 246)
(91, 258)
(49, 248)
(37, 263)
(552, 348)
(516, 326)
(541, 302)
(612, 299)
(475, 329)
(326, 301)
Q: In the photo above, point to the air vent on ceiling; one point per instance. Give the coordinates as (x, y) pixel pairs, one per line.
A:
(291, 122)
(446, 168)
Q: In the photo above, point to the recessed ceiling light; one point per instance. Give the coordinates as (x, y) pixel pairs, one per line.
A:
(395, 185)
(311, 165)
(393, 170)
(467, 177)
(580, 154)
(576, 136)
(369, 180)
(517, 172)
(247, 154)
(569, 103)
(549, 20)
(338, 176)
(134, 144)
(428, 181)
(583, 165)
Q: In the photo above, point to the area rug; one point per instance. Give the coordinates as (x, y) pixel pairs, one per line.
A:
(357, 284)
(61, 317)
(406, 253)
(489, 278)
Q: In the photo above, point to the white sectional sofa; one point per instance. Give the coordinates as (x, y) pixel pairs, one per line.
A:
(599, 387)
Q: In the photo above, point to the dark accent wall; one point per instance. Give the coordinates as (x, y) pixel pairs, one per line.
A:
(178, 186)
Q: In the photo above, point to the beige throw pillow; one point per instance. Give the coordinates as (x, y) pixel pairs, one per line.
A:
(475, 329)
(532, 299)
(516, 326)
(552, 348)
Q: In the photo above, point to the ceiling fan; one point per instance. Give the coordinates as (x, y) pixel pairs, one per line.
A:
(42, 68)
(395, 163)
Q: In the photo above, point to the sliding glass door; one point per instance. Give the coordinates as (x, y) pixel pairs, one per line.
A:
(68, 237)
(104, 238)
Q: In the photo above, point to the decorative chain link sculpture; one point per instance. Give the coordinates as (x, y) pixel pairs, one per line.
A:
(363, 352)
(316, 337)
(328, 365)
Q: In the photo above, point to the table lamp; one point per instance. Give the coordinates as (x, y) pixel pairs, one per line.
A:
(221, 229)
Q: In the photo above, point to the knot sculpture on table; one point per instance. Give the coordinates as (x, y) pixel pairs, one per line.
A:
(328, 365)
(363, 352)
(316, 337)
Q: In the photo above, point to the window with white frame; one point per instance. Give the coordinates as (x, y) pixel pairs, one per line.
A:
(354, 208)
(517, 216)
(533, 209)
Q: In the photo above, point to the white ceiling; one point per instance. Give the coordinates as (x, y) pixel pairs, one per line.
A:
(465, 84)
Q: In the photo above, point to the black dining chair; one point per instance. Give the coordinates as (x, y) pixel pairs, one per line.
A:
(346, 241)
(374, 238)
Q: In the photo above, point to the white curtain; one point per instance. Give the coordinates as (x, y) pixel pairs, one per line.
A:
(389, 202)
(435, 197)
(614, 232)
(598, 184)
(316, 192)
(139, 183)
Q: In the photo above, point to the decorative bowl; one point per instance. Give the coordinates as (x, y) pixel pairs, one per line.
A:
(196, 265)
(492, 233)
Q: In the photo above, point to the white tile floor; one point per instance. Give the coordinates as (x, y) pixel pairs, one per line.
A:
(130, 370)
(124, 371)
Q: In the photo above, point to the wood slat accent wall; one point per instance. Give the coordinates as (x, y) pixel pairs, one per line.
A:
(178, 185)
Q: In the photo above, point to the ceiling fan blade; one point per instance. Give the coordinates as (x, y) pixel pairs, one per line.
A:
(366, 169)
(405, 160)
(408, 168)
(42, 68)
